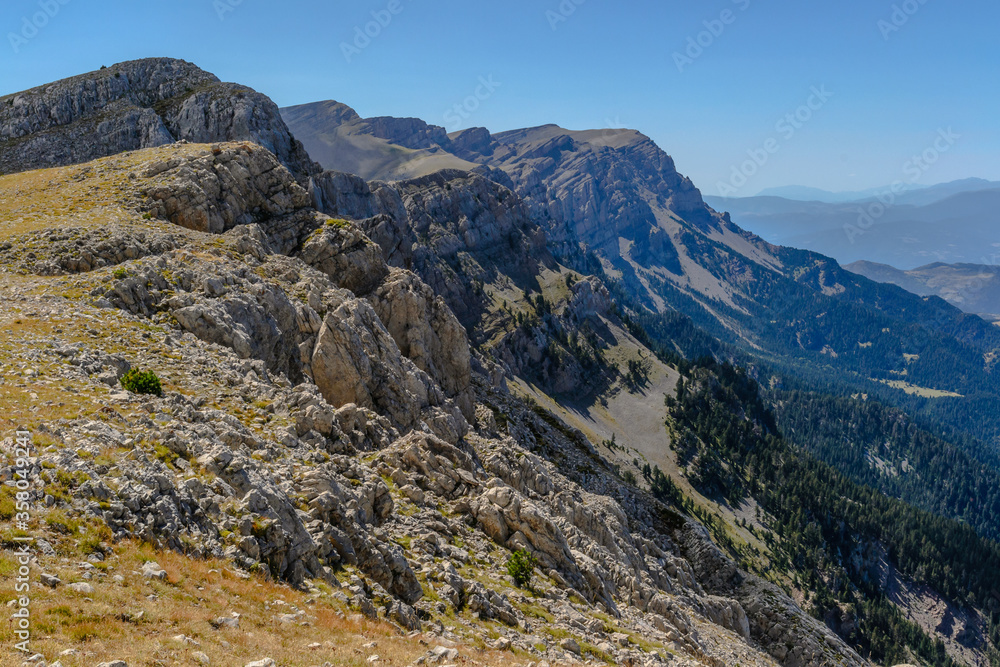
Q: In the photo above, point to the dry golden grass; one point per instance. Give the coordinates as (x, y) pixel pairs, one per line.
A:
(36, 391)
(138, 619)
(86, 195)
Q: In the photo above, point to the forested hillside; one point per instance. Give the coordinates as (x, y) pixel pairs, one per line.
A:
(822, 526)
(881, 447)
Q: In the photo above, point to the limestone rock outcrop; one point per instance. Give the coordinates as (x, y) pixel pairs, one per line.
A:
(427, 332)
(322, 411)
(222, 187)
(134, 105)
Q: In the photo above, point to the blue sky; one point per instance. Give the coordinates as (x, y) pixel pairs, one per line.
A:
(888, 89)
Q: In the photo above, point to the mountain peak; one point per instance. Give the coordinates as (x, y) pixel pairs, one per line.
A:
(134, 105)
(337, 112)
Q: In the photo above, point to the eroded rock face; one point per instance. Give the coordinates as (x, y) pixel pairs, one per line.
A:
(79, 250)
(793, 637)
(356, 361)
(335, 338)
(454, 229)
(134, 105)
(412, 133)
(427, 332)
(590, 299)
(591, 186)
(377, 208)
(347, 256)
(588, 183)
(228, 306)
(468, 230)
(221, 188)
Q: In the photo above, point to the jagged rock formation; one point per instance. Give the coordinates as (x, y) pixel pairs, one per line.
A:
(614, 195)
(462, 231)
(344, 392)
(589, 186)
(220, 189)
(428, 333)
(595, 185)
(468, 230)
(133, 105)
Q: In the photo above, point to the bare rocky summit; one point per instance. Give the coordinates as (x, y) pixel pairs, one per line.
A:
(134, 105)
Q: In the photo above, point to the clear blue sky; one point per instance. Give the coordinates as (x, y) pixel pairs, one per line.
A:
(609, 63)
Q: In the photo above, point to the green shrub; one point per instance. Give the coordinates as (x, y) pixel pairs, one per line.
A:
(142, 382)
(520, 566)
(120, 273)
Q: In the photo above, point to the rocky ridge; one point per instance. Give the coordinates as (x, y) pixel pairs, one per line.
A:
(329, 406)
(134, 105)
(610, 201)
(312, 430)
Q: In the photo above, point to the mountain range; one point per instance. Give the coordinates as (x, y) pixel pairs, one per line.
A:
(951, 223)
(616, 196)
(392, 357)
(906, 193)
(972, 287)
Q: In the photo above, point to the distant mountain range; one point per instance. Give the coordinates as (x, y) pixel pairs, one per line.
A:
(911, 193)
(950, 223)
(974, 288)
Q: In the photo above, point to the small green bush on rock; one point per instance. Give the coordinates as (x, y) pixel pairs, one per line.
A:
(142, 382)
(520, 566)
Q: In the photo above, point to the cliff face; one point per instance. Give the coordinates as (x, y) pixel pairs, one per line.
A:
(455, 229)
(591, 187)
(134, 105)
(613, 192)
(597, 186)
(325, 409)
